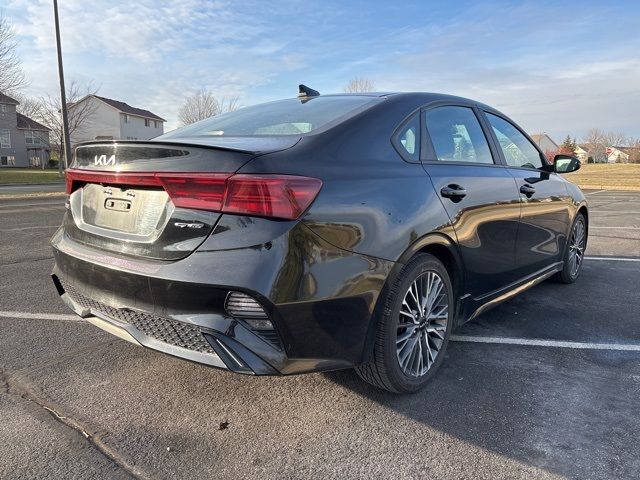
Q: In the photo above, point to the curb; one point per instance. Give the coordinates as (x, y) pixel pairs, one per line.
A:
(52, 184)
(608, 187)
(32, 195)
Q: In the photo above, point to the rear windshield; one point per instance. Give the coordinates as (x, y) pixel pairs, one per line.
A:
(284, 117)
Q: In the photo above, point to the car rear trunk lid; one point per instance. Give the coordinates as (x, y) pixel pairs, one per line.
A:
(119, 201)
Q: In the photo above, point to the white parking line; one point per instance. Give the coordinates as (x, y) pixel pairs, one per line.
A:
(616, 228)
(622, 193)
(609, 212)
(532, 342)
(40, 316)
(615, 259)
(547, 343)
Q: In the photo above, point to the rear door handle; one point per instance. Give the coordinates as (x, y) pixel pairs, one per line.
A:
(528, 190)
(454, 192)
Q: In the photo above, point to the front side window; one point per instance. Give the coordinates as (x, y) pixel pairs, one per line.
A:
(457, 136)
(5, 138)
(517, 149)
(147, 122)
(3, 108)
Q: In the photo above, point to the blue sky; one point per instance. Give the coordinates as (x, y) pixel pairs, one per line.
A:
(555, 68)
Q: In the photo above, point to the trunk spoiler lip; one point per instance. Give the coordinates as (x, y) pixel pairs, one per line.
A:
(250, 145)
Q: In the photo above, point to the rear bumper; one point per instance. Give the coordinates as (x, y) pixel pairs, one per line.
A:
(319, 298)
(104, 317)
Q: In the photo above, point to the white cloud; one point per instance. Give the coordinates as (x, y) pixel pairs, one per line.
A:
(151, 53)
(548, 65)
(528, 62)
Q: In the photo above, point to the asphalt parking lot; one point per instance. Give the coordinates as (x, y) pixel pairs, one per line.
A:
(544, 386)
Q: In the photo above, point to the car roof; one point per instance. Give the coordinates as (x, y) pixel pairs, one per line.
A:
(419, 97)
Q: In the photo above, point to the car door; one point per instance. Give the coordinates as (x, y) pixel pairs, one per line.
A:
(546, 205)
(478, 193)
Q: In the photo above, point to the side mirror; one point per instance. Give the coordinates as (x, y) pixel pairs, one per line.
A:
(565, 163)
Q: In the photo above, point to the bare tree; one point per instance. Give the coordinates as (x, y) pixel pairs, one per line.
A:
(360, 85)
(12, 78)
(80, 110)
(595, 143)
(28, 106)
(634, 155)
(204, 104)
(615, 139)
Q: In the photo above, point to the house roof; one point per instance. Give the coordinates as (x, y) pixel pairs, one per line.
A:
(627, 150)
(126, 108)
(7, 99)
(539, 136)
(29, 124)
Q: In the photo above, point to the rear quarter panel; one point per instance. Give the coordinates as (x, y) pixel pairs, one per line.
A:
(372, 202)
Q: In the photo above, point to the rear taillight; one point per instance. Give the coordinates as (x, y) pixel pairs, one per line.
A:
(273, 196)
(202, 192)
(280, 196)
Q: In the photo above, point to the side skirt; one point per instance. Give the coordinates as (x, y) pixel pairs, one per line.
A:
(477, 306)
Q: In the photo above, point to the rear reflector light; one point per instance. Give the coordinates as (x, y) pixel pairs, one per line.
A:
(241, 305)
(273, 196)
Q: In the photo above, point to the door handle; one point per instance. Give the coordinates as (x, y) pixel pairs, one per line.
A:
(528, 190)
(453, 192)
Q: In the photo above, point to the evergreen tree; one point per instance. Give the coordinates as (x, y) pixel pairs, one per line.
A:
(568, 147)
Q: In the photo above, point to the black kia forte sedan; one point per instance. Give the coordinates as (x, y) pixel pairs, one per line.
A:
(316, 233)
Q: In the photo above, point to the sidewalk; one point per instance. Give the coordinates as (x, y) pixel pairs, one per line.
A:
(45, 189)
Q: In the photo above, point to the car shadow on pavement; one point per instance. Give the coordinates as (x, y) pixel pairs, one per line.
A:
(543, 408)
(571, 412)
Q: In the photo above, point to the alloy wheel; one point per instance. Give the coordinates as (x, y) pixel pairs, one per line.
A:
(576, 247)
(422, 324)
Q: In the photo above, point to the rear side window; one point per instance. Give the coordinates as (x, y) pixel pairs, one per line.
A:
(456, 135)
(285, 117)
(517, 149)
(407, 139)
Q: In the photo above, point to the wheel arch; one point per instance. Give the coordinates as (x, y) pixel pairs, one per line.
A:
(439, 245)
(584, 211)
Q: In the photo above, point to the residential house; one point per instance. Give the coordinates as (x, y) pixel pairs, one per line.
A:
(108, 119)
(23, 141)
(617, 155)
(582, 153)
(623, 154)
(546, 144)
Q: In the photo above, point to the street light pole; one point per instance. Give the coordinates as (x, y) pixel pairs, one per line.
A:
(63, 95)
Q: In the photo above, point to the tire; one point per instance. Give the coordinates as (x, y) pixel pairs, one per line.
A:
(429, 327)
(574, 251)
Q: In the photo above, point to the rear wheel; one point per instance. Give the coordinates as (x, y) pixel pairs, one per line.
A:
(414, 328)
(574, 254)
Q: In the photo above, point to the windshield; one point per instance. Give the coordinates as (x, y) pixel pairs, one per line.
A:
(284, 117)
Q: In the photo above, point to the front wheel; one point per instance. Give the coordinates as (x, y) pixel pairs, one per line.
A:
(574, 254)
(414, 328)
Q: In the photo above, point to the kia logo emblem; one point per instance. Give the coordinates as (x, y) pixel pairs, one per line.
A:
(104, 161)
